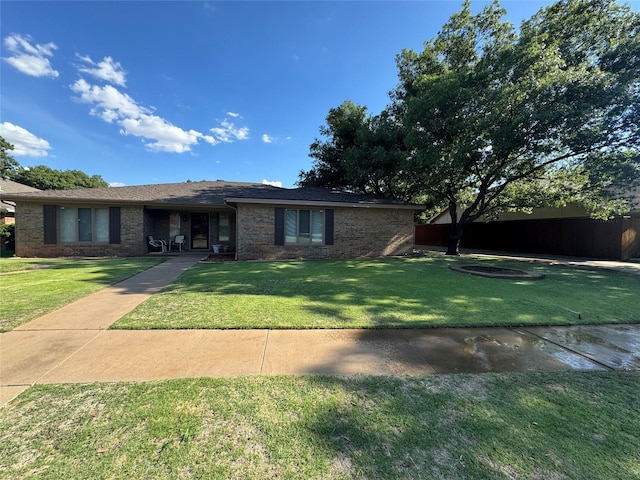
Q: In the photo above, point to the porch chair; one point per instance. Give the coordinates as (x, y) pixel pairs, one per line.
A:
(179, 241)
(161, 244)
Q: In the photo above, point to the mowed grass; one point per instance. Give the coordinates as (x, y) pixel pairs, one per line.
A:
(392, 292)
(30, 288)
(490, 426)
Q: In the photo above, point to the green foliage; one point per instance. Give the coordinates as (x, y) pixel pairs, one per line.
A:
(486, 118)
(7, 163)
(43, 177)
(494, 114)
(7, 235)
(6, 229)
(46, 178)
(361, 154)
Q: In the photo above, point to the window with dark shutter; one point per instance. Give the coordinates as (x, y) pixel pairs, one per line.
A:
(328, 226)
(114, 225)
(279, 226)
(50, 224)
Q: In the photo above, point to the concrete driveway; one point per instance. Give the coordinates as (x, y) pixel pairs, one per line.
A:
(72, 345)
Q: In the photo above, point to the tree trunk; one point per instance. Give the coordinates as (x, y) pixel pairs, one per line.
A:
(455, 234)
(455, 230)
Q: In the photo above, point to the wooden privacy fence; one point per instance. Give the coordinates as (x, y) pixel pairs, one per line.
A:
(617, 239)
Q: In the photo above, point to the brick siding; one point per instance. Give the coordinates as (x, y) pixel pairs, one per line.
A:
(30, 236)
(358, 232)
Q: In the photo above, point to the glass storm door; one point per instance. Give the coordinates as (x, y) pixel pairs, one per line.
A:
(200, 230)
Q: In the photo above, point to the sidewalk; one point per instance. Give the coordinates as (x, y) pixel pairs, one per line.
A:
(72, 345)
(44, 344)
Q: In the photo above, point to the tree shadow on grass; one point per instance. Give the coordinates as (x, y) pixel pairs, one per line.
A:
(32, 293)
(493, 426)
(421, 293)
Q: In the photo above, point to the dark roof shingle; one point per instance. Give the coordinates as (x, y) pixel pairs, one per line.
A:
(203, 193)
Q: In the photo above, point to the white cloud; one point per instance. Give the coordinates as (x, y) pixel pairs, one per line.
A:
(159, 135)
(117, 184)
(164, 136)
(110, 103)
(106, 70)
(113, 106)
(273, 184)
(28, 57)
(228, 132)
(24, 142)
(266, 138)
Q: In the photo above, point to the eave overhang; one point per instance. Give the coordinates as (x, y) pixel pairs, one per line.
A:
(318, 203)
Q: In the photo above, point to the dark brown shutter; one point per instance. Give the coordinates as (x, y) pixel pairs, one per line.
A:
(50, 224)
(328, 226)
(114, 225)
(279, 226)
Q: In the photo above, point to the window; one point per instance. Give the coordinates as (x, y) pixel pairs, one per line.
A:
(83, 224)
(224, 227)
(304, 227)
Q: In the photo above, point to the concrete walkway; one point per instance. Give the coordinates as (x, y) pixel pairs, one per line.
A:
(72, 345)
(33, 349)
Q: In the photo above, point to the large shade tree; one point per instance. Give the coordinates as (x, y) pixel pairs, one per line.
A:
(486, 118)
(47, 178)
(7, 163)
(42, 176)
(362, 154)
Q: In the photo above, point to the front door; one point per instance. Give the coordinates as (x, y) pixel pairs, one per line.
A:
(199, 230)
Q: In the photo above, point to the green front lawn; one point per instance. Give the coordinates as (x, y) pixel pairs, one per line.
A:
(492, 426)
(392, 292)
(30, 288)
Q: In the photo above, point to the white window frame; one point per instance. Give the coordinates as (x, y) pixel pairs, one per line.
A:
(296, 232)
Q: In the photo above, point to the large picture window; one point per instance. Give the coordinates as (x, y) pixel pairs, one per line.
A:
(304, 227)
(83, 224)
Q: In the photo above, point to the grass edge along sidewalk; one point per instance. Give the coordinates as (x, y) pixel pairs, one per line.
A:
(406, 292)
(30, 288)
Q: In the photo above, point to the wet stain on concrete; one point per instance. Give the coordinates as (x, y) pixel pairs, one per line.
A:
(614, 346)
(468, 350)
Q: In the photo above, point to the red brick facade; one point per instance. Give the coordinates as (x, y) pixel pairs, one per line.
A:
(30, 236)
(358, 232)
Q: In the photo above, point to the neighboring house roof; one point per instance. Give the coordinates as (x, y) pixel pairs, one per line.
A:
(571, 210)
(9, 187)
(190, 194)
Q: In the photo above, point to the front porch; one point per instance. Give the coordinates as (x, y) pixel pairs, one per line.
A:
(201, 231)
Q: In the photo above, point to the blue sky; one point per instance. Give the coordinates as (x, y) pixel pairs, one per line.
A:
(145, 92)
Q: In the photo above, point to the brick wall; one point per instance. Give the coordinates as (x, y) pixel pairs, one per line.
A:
(358, 232)
(30, 236)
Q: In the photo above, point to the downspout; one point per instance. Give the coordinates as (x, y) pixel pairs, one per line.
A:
(235, 209)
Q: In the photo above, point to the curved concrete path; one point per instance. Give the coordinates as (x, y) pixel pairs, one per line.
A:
(73, 345)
